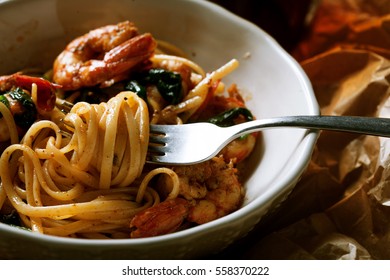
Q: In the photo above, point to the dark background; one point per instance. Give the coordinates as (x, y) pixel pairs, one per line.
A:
(285, 20)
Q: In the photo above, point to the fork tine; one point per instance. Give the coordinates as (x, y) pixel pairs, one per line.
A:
(158, 146)
(156, 149)
(156, 153)
(174, 144)
(158, 129)
(155, 159)
(156, 139)
(157, 143)
(64, 105)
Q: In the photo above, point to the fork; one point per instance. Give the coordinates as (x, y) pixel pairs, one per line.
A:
(198, 142)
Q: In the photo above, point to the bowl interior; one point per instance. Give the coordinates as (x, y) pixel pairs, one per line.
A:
(273, 83)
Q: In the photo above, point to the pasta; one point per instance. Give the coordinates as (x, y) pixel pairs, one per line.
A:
(54, 163)
(82, 172)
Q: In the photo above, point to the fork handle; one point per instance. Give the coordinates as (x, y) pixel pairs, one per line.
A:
(354, 124)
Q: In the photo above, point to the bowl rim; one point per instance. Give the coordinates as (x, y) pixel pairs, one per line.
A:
(283, 183)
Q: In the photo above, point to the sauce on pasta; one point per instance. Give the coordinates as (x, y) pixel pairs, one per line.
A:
(79, 169)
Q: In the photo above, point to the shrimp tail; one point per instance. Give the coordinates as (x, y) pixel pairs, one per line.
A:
(163, 218)
(127, 55)
(132, 52)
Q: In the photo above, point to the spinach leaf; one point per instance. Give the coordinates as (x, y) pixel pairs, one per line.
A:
(137, 88)
(5, 101)
(10, 219)
(227, 118)
(28, 113)
(168, 84)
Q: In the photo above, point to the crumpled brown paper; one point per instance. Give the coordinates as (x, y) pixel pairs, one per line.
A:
(340, 209)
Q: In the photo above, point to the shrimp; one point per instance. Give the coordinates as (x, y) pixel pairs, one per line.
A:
(242, 147)
(165, 217)
(224, 192)
(102, 56)
(208, 191)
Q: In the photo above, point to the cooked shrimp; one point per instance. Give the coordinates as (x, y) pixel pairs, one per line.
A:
(240, 148)
(208, 191)
(224, 191)
(165, 217)
(102, 56)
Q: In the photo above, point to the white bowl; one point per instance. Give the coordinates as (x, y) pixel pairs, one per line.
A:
(33, 32)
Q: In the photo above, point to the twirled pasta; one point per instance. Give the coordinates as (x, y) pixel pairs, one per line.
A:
(82, 184)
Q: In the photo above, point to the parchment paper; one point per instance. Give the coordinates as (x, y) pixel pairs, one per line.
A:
(340, 208)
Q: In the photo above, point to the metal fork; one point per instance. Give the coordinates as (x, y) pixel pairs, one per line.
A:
(198, 142)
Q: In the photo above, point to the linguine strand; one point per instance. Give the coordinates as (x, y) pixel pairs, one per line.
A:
(89, 181)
